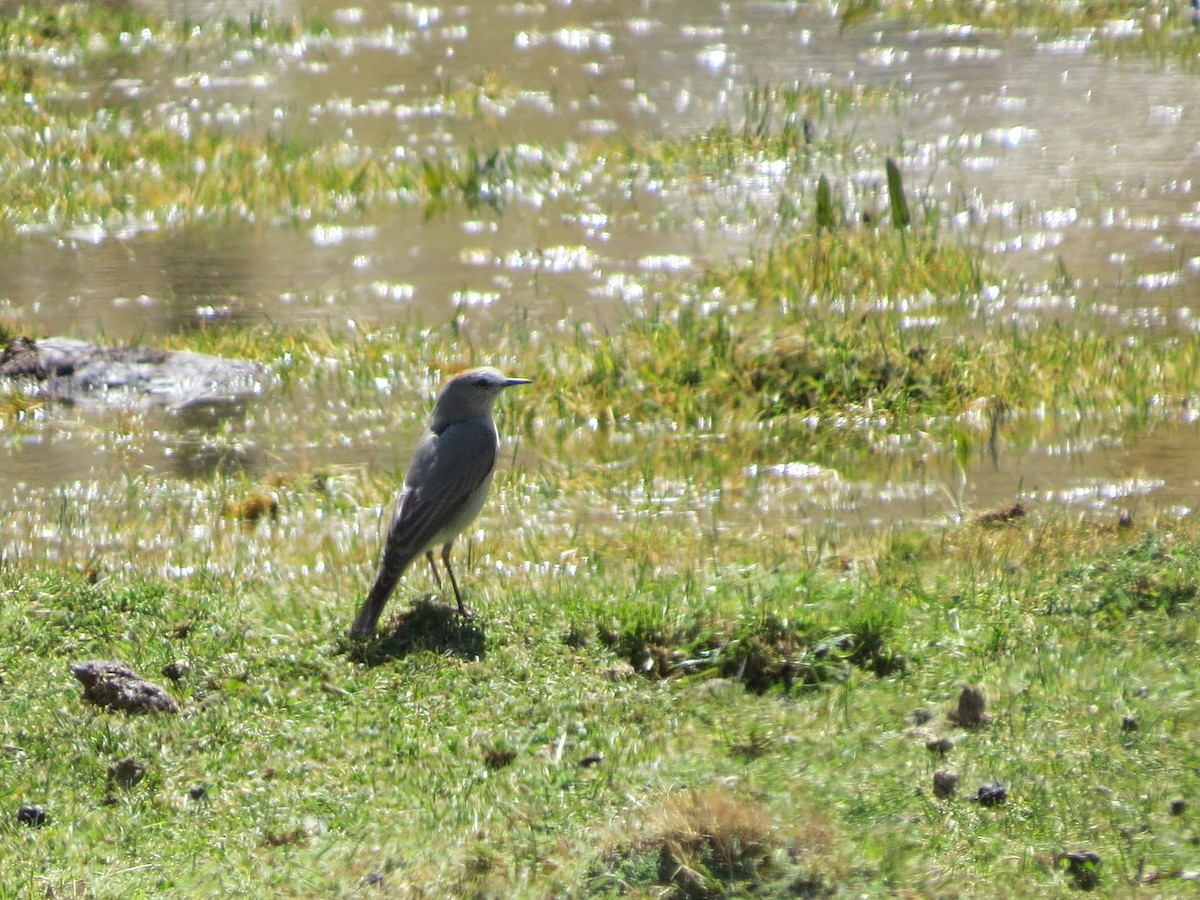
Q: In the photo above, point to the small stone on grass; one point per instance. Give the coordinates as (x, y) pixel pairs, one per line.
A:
(940, 745)
(1083, 867)
(991, 793)
(33, 816)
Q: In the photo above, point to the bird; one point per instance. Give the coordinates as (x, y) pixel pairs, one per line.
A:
(447, 482)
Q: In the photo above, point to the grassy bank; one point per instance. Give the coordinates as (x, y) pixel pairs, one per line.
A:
(607, 727)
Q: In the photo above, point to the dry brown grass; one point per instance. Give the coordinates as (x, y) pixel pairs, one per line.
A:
(705, 842)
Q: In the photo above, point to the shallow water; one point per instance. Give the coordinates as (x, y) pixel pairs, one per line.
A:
(1043, 151)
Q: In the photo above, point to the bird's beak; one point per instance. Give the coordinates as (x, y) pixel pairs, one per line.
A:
(513, 382)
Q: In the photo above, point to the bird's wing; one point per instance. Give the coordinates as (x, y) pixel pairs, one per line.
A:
(446, 470)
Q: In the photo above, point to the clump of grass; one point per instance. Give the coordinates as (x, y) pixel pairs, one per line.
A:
(88, 174)
(1149, 575)
(17, 405)
(774, 653)
(37, 31)
(881, 327)
(782, 633)
(119, 168)
(711, 843)
(779, 121)
(478, 180)
(252, 507)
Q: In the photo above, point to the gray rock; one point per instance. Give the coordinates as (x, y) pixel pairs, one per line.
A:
(31, 815)
(72, 370)
(1084, 868)
(991, 793)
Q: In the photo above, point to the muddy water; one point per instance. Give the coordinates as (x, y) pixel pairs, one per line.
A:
(1042, 150)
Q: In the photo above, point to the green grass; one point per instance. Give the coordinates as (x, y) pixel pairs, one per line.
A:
(534, 753)
(1056, 16)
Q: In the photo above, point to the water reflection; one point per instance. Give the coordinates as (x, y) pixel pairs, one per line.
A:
(1047, 153)
(192, 457)
(1043, 150)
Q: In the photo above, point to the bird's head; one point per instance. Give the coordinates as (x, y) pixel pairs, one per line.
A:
(472, 393)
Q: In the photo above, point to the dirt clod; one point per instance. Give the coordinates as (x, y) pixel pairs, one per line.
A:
(971, 709)
(496, 758)
(1083, 867)
(939, 746)
(113, 685)
(945, 784)
(127, 773)
(1002, 514)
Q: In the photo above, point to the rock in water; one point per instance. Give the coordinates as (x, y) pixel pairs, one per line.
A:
(73, 370)
(114, 685)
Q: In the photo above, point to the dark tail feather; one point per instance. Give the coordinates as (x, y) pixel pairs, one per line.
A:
(390, 571)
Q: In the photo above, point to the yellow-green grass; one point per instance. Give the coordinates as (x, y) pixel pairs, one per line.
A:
(607, 726)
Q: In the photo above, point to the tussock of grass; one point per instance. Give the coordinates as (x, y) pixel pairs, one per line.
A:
(763, 642)
(113, 170)
(1055, 16)
(778, 121)
(1149, 576)
(254, 506)
(17, 406)
(871, 327)
(124, 169)
(711, 843)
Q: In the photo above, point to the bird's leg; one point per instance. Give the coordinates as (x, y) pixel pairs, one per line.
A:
(462, 610)
(433, 568)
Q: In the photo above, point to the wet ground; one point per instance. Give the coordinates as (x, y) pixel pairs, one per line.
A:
(1053, 156)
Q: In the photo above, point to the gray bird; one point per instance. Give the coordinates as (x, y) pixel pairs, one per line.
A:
(446, 485)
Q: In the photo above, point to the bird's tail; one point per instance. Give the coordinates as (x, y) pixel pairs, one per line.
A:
(390, 571)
